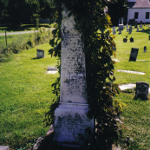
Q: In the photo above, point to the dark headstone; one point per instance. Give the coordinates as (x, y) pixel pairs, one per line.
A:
(142, 89)
(130, 30)
(119, 31)
(133, 54)
(125, 40)
(142, 30)
(145, 49)
(131, 39)
(126, 37)
(149, 37)
(40, 53)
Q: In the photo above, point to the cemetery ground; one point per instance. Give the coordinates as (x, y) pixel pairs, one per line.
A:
(26, 93)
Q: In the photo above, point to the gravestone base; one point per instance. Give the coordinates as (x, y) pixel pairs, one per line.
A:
(71, 121)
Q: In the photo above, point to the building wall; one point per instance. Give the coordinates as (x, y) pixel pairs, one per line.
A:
(141, 16)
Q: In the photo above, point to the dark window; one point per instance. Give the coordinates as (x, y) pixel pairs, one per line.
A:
(136, 15)
(147, 15)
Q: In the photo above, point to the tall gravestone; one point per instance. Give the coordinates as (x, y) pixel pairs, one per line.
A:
(70, 117)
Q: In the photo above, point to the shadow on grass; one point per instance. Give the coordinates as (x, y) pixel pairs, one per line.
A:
(35, 58)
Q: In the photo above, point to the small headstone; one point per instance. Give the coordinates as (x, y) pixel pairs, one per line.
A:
(126, 37)
(40, 53)
(142, 30)
(133, 54)
(125, 40)
(142, 90)
(141, 26)
(126, 26)
(145, 49)
(114, 30)
(127, 30)
(149, 37)
(131, 39)
(120, 26)
(130, 30)
(137, 30)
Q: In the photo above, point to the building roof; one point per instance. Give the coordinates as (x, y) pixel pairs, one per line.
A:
(142, 4)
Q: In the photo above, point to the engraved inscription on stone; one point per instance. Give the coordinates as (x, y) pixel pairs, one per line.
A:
(73, 72)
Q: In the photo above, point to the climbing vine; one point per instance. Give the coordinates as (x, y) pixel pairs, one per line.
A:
(94, 24)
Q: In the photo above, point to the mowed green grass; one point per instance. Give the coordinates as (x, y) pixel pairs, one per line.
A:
(25, 95)
(136, 113)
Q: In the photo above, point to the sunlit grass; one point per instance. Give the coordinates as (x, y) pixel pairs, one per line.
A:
(25, 95)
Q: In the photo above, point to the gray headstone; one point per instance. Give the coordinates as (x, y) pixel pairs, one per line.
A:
(142, 90)
(130, 30)
(137, 30)
(114, 30)
(120, 26)
(40, 53)
(142, 30)
(133, 54)
(126, 26)
(141, 26)
(70, 117)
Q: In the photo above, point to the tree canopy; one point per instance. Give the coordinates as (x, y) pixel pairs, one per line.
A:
(15, 12)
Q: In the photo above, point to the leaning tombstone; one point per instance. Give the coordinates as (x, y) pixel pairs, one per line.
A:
(40, 53)
(125, 40)
(71, 120)
(141, 91)
(131, 39)
(133, 54)
(145, 49)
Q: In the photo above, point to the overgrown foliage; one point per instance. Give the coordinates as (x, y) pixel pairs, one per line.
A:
(98, 48)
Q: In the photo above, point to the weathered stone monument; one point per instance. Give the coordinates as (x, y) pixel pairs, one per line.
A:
(141, 90)
(70, 117)
(40, 53)
(133, 54)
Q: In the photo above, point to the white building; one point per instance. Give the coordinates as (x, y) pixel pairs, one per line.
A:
(139, 10)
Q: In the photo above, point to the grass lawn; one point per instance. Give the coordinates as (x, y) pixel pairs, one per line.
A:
(136, 113)
(25, 95)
